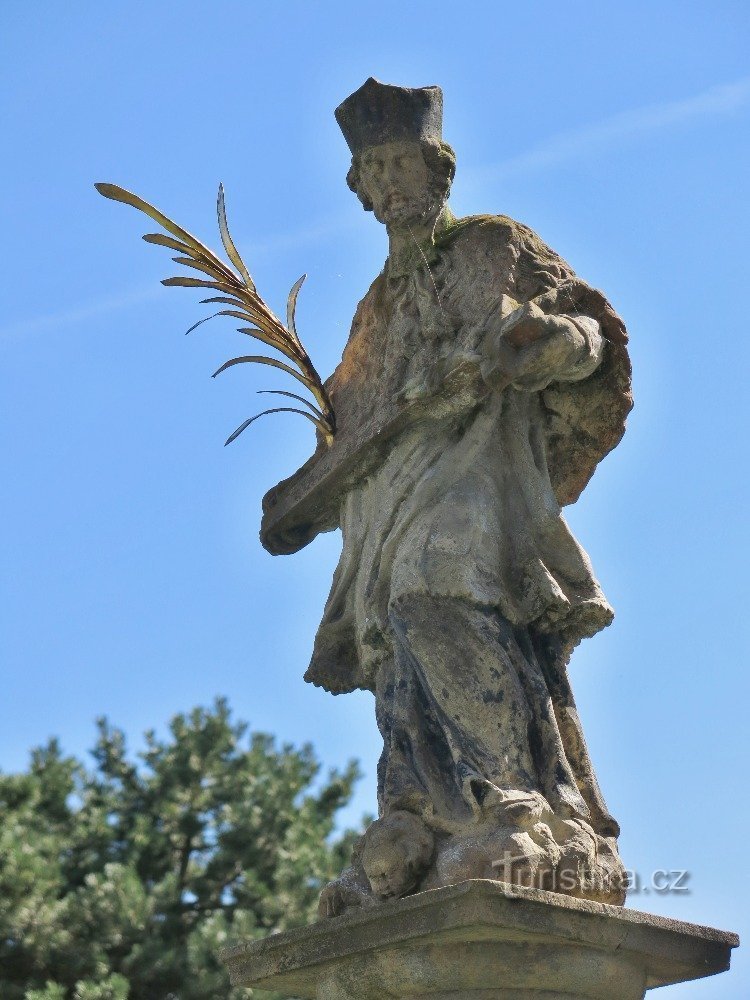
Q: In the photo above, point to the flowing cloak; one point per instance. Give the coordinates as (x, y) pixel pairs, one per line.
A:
(439, 486)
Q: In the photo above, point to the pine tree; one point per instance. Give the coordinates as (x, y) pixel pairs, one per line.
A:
(123, 880)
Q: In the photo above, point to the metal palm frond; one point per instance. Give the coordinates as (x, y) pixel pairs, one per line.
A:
(238, 290)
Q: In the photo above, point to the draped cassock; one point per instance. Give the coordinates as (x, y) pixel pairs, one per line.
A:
(460, 590)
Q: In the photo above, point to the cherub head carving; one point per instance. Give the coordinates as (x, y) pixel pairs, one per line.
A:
(395, 852)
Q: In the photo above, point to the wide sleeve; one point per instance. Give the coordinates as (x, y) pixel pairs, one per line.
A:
(585, 417)
(571, 353)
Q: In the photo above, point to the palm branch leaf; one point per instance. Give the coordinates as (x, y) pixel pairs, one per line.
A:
(166, 241)
(323, 428)
(268, 331)
(200, 265)
(261, 359)
(228, 242)
(201, 322)
(223, 312)
(117, 193)
(238, 291)
(292, 395)
(207, 258)
(182, 282)
(225, 299)
(265, 338)
(247, 312)
(291, 306)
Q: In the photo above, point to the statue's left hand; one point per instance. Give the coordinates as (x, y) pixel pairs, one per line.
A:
(531, 345)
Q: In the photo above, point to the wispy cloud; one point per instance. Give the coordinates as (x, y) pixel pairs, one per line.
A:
(251, 251)
(78, 314)
(566, 146)
(716, 101)
(316, 231)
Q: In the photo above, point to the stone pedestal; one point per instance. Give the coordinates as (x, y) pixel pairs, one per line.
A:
(482, 940)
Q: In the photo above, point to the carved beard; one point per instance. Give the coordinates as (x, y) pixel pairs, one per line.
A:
(399, 212)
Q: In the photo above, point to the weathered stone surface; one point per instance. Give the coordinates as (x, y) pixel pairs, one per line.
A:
(307, 504)
(482, 383)
(483, 940)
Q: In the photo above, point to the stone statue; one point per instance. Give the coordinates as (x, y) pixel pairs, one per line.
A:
(481, 384)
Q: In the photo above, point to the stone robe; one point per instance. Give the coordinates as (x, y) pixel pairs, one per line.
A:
(460, 590)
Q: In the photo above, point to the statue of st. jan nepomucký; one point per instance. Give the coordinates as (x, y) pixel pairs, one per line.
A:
(481, 385)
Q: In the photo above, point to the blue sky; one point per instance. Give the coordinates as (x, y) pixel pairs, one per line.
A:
(133, 582)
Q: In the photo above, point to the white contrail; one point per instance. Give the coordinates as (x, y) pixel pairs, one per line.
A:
(718, 100)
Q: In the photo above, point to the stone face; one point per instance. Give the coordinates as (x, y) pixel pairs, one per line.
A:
(482, 383)
(483, 940)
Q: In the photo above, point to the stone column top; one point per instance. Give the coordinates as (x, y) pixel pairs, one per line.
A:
(489, 913)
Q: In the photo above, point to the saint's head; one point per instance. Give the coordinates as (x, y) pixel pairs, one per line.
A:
(401, 168)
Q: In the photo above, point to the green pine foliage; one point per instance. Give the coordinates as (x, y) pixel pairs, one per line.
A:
(123, 880)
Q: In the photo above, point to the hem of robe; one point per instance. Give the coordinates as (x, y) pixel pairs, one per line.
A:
(336, 665)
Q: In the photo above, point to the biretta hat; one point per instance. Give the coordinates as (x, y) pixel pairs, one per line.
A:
(379, 112)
